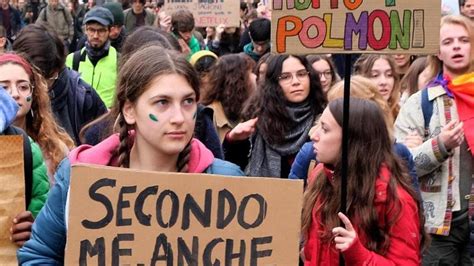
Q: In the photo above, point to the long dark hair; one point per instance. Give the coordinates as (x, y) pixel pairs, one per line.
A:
(270, 105)
(230, 84)
(323, 196)
(332, 67)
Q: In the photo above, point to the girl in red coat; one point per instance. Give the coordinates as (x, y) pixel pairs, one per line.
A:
(384, 222)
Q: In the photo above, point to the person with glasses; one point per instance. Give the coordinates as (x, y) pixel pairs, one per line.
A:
(24, 89)
(28, 88)
(97, 61)
(324, 66)
(278, 116)
(117, 31)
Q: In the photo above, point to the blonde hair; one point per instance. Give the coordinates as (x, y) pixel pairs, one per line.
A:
(468, 25)
(434, 65)
(364, 88)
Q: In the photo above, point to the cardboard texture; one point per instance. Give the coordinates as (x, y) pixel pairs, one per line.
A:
(208, 14)
(13, 193)
(214, 218)
(356, 26)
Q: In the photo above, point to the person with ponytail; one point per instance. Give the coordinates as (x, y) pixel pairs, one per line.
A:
(383, 223)
(35, 116)
(156, 105)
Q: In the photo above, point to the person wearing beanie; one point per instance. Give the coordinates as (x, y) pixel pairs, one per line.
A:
(137, 16)
(259, 31)
(117, 32)
(97, 61)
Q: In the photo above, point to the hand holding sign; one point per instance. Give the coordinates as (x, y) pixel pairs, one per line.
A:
(344, 237)
(21, 228)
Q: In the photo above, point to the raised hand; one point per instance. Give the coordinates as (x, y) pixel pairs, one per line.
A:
(344, 237)
(243, 130)
(452, 135)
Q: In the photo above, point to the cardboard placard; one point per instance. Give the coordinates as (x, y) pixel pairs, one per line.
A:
(208, 12)
(356, 26)
(12, 193)
(121, 216)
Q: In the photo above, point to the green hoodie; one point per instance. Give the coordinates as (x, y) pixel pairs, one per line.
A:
(40, 182)
(248, 50)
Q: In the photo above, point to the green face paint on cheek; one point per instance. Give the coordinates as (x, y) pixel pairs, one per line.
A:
(153, 117)
(28, 98)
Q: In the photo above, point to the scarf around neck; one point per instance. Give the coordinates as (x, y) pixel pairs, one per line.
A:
(95, 54)
(462, 88)
(265, 159)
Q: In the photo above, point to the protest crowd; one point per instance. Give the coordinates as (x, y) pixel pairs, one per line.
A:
(131, 85)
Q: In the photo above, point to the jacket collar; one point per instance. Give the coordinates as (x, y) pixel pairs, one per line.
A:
(435, 92)
(221, 119)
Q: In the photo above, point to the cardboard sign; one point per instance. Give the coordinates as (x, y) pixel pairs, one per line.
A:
(12, 193)
(208, 12)
(356, 26)
(120, 216)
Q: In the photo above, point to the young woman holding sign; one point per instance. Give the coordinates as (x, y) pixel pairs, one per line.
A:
(383, 224)
(156, 108)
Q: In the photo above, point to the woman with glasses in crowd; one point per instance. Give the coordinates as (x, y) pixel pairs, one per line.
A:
(34, 116)
(282, 112)
(24, 101)
(324, 66)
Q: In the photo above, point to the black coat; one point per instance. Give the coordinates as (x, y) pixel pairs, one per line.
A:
(16, 23)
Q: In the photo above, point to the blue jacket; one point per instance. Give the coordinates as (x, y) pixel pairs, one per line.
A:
(48, 236)
(299, 169)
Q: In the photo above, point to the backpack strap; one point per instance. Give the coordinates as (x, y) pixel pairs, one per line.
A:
(427, 109)
(27, 160)
(45, 16)
(77, 57)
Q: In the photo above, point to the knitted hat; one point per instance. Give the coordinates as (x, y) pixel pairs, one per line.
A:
(198, 55)
(117, 11)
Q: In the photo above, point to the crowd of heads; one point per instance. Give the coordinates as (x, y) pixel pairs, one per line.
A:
(172, 76)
